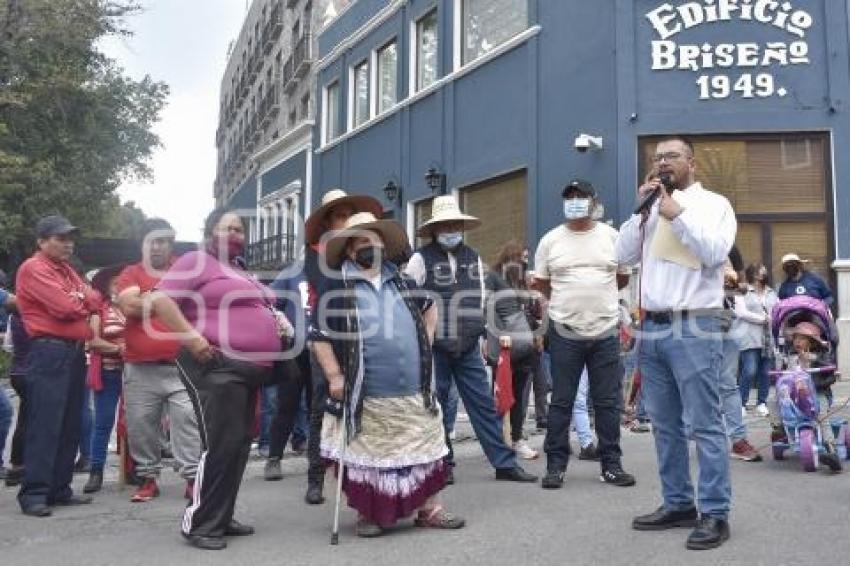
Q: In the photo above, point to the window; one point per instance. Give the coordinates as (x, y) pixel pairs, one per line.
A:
(360, 99)
(421, 214)
(778, 185)
(501, 205)
(489, 23)
(332, 123)
(426, 51)
(293, 117)
(305, 106)
(387, 76)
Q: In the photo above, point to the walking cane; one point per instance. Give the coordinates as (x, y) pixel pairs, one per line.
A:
(340, 473)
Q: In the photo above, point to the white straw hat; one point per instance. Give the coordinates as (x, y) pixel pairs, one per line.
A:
(445, 209)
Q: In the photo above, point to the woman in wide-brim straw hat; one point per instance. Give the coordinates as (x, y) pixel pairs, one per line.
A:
(335, 209)
(336, 200)
(374, 345)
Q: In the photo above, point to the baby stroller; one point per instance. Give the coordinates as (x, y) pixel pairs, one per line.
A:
(796, 387)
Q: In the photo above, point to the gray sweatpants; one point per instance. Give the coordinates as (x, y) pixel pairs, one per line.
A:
(148, 390)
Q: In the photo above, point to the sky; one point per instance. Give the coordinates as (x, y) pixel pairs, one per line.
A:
(184, 43)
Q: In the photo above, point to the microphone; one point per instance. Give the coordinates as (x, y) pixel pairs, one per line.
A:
(648, 200)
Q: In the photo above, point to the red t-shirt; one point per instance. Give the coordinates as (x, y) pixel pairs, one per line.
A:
(140, 346)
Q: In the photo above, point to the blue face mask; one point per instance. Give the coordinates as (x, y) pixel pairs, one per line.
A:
(450, 240)
(576, 208)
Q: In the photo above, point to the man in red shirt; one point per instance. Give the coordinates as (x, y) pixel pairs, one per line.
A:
(151, 381)
(55, 305)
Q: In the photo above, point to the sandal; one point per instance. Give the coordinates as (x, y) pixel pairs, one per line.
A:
(437, 518)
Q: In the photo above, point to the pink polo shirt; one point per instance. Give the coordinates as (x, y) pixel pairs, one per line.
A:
(226, 305)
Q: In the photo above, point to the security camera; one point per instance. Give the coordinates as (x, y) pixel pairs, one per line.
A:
(585, 142)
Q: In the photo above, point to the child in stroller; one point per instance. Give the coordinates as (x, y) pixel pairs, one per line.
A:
(804, 393)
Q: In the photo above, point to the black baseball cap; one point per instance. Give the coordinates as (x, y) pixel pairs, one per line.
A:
(54, 225)
(580, 185)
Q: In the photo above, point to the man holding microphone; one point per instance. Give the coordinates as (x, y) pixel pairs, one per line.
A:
(682, 241)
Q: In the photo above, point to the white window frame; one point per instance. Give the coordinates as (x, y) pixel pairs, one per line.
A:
(458, 35)
(352, 92)
(413, 86)
(326, 133)
(376, 78)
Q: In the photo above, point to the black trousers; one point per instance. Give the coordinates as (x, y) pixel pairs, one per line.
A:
(570, 355)
(16, 457)
(54, 391)
(541, 382)
(297, 381)
(225, 399)
(316, 469)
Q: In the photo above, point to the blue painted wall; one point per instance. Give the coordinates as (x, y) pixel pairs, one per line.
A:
(293, 169)
(588, 70)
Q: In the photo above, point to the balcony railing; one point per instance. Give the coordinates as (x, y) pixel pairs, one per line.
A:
(289, 80)
(271, 253)
(303, 54)
(273, 28)
(269, 107)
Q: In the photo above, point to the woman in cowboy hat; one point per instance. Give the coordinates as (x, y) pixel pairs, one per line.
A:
(303, 280)
(374, 345)
(450, 270)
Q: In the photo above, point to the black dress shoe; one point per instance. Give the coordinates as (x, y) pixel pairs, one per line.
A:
(82, 465)
(14, 476)
(73, 500)
(710, 532)
(37, 510)
(237, 529)
(314, 494)
(515, 474)
(663, 519)
(206, 543)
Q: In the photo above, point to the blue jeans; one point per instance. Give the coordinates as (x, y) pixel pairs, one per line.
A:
(105, 405)
(730, 394)
(754, 366)
(268, 409)
(581, 419)
(6, 415)
(86, 423)
(468, 374)
(681, 382)
(56, 380)
(570, 355)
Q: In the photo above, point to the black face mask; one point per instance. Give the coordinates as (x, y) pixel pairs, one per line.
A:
(791, 271)
(368, 256)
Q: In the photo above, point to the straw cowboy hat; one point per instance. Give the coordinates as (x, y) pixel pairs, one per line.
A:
(314, 227)
(810, 330)
(445, 209)
(391, 232)
(788, 258)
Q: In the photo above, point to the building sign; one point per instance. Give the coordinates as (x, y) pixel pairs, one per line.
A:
(725, 70)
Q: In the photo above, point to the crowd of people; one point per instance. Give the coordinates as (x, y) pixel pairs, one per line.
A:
(362, 351)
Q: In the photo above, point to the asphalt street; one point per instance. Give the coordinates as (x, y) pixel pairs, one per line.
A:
(781, 516)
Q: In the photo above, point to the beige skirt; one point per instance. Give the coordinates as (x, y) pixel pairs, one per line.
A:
(395, 432)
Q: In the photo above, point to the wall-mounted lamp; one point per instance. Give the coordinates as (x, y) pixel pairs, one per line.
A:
(392, 192)
(436, 180)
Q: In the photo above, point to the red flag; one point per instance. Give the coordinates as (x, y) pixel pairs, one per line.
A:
(504, 387)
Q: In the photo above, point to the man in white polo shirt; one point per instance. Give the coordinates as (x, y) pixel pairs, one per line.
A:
(576, 268)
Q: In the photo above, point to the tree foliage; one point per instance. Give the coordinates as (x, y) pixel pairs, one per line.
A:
(73, 127)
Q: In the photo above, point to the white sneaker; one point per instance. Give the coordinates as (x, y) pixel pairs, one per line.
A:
(744, 412)
(524, 451)
(762, 410)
